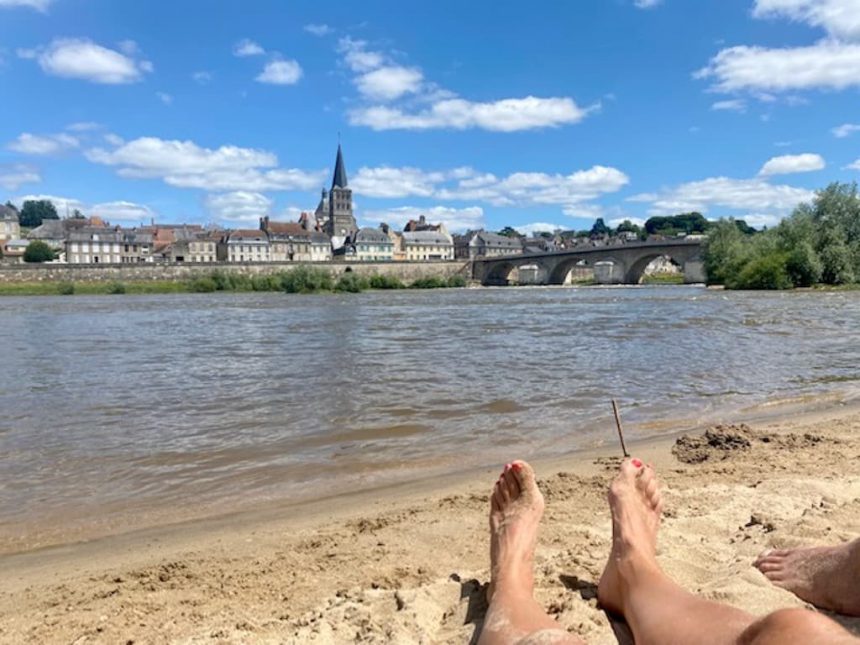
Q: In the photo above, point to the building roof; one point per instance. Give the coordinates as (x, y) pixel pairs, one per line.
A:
(95, 233)
(373, 235)
(320, 238)
(285, 228)
(253, 235)
(495, 240)
(8, 214)
(133, 236)
(50, 229)
(339, 179)
(427, 237)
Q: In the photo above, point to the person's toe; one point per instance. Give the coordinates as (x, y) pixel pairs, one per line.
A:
(512, 484)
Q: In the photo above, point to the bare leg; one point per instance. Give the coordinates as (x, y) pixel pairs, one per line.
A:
(516, 507)
(826, 576)
(657, 609)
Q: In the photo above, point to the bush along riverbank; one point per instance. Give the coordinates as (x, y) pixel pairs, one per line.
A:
(298, 280)
(819, 244)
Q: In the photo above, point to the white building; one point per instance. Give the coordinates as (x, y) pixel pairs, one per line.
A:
(372, 245)
(247, 245)
(421, 246)
(94, 245)
(9, 226)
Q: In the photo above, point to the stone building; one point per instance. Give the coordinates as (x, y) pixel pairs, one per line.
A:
(10, 229)
(485, 244)
(427, 245)
(137, 247)
(372, 245)
(94, 245)
(246, 245)
(334, 213)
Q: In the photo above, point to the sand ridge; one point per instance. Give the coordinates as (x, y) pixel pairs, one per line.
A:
(415, 570)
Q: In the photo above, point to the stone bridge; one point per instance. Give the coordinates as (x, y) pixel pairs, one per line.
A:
(615, 264)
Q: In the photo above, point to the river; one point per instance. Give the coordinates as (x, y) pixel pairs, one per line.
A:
(119, 412)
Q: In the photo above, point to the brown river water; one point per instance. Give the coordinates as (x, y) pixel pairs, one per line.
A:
(119, 412)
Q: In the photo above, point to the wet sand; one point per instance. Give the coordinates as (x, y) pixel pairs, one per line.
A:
(409, 564)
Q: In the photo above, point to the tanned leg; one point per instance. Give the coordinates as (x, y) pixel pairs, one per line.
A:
(516, 507)
(657, 609)
(826, 576)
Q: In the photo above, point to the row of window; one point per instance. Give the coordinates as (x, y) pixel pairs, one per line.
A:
(105, 247)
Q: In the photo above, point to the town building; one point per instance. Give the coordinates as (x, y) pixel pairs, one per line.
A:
(136, 247)
(427, 245)
(94, 245)
(13, 251)
(10, 229)
(192, 245)
(334, 213)
(372, 245)
(485, 244)
(246, 245)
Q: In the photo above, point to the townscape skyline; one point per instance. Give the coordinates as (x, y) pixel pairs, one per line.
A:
(623, 120)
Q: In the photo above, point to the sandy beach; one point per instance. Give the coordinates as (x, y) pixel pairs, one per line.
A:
(409, 564)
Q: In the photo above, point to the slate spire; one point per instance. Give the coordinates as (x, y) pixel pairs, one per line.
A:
(339, 179)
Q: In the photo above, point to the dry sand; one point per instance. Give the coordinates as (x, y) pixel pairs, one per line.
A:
(409, 565)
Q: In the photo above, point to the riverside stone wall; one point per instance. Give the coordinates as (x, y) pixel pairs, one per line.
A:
(405, 271)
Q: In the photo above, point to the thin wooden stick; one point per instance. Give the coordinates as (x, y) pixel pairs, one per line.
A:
(618, 424)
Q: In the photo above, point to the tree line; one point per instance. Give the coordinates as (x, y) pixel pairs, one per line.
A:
(819, 243)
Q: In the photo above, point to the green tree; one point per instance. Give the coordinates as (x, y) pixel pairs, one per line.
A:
(688, 223)
(34, 212)
(12, 206)
(803, 265)
(76, 214)
(764, 272)
(510, 232)
(837, 263)
(600, 228)
(725, 252)
(38, 251)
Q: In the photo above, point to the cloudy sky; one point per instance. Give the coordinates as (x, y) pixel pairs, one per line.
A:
(538, 115)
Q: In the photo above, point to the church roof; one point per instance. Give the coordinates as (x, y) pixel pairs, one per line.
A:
(339, 179)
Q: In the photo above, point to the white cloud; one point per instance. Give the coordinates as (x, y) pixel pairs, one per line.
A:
(184, 164)
(246, 47)
(318, 30)
(239, 206)
(825, 65)
(756, 195)
(116, 211)
(388, 83)
(538, 227)
(387, 182)
(638, 221)
(62, 204)
(454, 219)
(164, 97)
(507, 115)
(732, 105)
(38, 5)
(114, 139)
(81, 58)
(790, 164)
(845, 130)
(466, 184)
(760, 220)
(280, 72)
(646, 4)
(13, 176)
(840, 18)
(121, 211)
(47, 144)
(83, 126)
(202, 77)
(356, 56)
(380, 79)
(854, 166)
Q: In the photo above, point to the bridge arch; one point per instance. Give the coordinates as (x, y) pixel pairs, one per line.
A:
(636, 271)
(500, 273)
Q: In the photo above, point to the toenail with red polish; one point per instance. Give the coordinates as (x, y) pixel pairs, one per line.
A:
(517, 467)
(636, 463)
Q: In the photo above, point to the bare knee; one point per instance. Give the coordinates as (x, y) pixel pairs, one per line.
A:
(788, 626)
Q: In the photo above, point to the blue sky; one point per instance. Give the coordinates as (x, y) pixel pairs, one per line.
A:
(477, 113)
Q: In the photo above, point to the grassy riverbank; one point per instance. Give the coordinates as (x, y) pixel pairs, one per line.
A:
(298, 280)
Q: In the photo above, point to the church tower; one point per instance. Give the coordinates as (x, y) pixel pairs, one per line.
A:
(340, 218)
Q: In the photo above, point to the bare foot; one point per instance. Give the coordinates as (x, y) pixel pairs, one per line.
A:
(634, 499)
(516, 507)
(826, 576)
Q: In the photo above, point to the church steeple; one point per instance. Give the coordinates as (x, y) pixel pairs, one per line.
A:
(339, 179)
